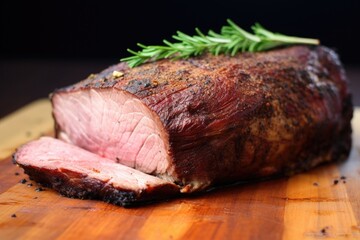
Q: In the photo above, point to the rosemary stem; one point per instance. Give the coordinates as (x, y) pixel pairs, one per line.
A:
(295, 40)
(230, 40)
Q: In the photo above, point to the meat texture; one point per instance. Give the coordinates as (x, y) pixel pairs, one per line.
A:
(75, 172)
(209, 120)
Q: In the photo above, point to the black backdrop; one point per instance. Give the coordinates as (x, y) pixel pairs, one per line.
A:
(105, 29)
(52, 44)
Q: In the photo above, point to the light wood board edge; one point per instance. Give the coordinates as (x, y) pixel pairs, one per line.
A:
(25, 124)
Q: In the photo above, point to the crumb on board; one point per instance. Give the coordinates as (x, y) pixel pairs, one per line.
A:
(17, 174)
(324, 230)
(342, 179)
(13, 215)
(23, 181)
(315, 184)
(39, 189)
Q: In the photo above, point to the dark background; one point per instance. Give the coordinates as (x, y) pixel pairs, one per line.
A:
(49, 45)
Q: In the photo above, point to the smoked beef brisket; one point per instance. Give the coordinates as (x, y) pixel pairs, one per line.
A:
(183, 126)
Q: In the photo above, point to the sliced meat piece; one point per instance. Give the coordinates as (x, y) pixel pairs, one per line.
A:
(214, 119)
(75, 172)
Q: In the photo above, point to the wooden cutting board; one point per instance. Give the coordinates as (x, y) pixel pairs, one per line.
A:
(305, 206)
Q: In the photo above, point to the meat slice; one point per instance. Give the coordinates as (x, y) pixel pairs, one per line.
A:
(213, 119)
(75, 172)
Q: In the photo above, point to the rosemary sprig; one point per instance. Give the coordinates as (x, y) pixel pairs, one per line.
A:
(230, 40)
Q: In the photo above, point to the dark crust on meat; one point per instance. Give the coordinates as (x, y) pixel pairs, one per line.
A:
(248, 116)
(77, 185)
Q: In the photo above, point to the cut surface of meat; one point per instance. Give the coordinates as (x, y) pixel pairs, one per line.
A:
(114, 125)
(191, 124)
(75, 172)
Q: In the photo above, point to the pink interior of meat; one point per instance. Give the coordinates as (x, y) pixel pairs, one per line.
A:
(114, 125)
(50, 153)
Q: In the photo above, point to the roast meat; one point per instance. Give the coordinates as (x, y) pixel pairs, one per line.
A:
(186, 125)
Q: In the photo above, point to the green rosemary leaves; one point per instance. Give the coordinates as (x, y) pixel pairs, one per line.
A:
(230, 40)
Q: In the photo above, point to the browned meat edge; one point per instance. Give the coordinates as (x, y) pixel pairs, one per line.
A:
(76, 185)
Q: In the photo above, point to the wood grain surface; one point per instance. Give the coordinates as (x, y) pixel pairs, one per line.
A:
(323, 203)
